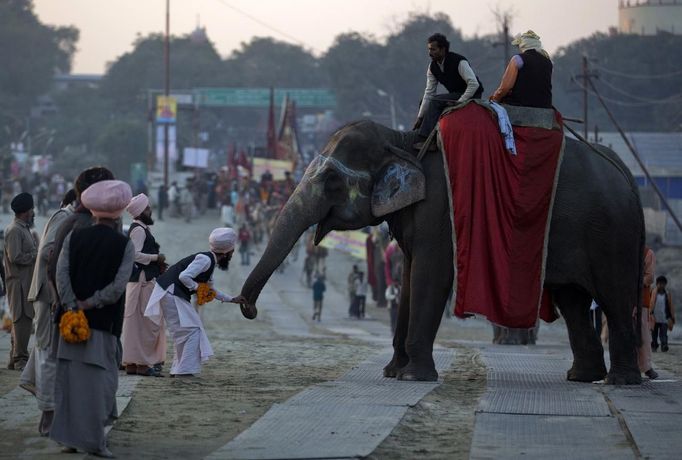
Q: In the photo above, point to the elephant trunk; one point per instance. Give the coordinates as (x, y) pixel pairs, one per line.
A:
(299, 213)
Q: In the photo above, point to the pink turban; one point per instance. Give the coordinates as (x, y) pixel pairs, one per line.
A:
(107, 198)
(137, 205)
(222, 240)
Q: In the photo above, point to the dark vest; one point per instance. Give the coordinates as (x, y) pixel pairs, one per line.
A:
(151, 270)
(533, 87)
(450, 77)
(172, 276)
(95, 255)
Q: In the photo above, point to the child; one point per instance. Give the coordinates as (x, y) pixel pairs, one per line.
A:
(663, 311)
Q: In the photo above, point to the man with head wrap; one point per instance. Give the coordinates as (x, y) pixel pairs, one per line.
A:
(79, 217)
(143, 341)
(38, 376)
(171, 300)
(527, 81)
(92, 271)
(19, 257)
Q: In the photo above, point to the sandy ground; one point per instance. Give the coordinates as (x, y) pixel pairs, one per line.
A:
(255, 366)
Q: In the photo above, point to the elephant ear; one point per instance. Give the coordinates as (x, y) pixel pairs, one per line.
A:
(400, 183)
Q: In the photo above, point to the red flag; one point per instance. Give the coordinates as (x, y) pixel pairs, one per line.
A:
(287, 143)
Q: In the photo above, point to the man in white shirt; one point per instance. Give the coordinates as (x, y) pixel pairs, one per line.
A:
(451, 70)
(171, 300)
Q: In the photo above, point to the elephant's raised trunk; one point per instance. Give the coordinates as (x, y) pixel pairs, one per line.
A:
(301, 211)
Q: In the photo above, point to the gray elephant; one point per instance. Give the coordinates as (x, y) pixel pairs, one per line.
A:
(595, 247)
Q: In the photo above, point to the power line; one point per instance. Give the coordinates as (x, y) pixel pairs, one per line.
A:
(627, 104)
(641, 99)
(265, 24)
(676, 73)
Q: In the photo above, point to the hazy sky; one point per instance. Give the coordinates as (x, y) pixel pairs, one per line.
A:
(108, 28)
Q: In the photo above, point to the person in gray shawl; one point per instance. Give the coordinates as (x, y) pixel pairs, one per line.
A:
(92, 271)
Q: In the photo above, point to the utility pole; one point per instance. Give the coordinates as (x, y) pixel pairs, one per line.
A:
(166, 58)
(585, 77)
(505, 38)
(503, 18)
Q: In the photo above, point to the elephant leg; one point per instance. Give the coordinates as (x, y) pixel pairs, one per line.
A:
(428, 297)
(400, 358)
(588, 354)
(622, 343)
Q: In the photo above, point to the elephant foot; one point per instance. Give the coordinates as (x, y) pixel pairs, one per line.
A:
(417, 374)
(582, 374)
(392, 369)
(615, 377)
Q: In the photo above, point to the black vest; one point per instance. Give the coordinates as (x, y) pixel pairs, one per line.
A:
(150, 246)
(533, 87)
(95, 255)
(171, 276)
(450, 77)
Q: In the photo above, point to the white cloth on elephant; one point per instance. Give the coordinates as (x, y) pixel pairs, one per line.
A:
(184, 324)
(505, 127)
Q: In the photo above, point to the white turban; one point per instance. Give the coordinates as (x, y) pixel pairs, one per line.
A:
(107, 198)
(137, 205)
(529, 41)
(222, 239)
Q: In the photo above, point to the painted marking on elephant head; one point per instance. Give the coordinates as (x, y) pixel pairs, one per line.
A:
(353, 178)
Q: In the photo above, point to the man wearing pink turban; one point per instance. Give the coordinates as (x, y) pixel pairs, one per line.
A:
(143, 341)
(171, 297)
(92, 271)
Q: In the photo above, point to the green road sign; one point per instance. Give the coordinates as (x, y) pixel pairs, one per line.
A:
(260, 97)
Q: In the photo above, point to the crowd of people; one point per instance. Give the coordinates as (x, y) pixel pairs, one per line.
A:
(100, 301)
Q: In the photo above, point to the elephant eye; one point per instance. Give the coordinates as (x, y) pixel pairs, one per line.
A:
(334, 185)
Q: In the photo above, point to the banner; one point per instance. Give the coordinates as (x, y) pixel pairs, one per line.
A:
(172, 150)
(351, 242)
(195, 158)
(276, 168)
(166, 109)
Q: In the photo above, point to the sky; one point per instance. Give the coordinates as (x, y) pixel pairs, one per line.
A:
(108, 28)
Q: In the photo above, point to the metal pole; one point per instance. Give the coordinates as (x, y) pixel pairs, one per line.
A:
(166, 56)
(585, 80)
(505, 31)
(393, 125)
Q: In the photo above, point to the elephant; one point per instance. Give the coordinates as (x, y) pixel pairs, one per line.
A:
(595, 247)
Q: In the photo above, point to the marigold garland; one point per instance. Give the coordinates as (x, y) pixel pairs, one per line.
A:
(205, 294)
(74, 327)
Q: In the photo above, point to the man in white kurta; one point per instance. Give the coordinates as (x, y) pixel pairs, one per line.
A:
(170, 300)
(143, 341)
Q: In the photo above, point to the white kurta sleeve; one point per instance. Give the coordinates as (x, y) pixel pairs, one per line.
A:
(467, 73)
(429, 92)
(138, 236)
(199, 265)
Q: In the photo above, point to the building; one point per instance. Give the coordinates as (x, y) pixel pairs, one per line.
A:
(650, 17)
(661, 154)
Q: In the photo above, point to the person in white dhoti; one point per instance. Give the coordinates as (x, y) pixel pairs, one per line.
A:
(171, 297)
(143, 341)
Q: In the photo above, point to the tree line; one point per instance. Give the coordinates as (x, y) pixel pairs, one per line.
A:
(637, 75)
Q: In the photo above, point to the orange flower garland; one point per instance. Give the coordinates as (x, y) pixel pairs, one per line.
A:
(204, 294)
(74, 327)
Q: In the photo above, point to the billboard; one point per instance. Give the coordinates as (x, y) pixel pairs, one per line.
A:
(166, 109)
(276, 168)
(351, 242)
(195, 158)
